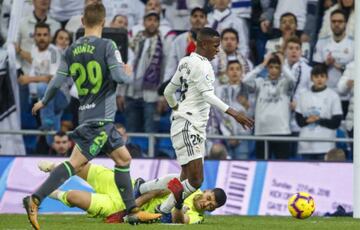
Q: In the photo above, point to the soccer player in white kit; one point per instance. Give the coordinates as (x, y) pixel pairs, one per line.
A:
(195, 79)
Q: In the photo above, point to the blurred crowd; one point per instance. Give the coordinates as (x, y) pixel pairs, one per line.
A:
(286, 63)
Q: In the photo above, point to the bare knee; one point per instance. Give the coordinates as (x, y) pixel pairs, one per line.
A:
(196, 180)
(121, 156)
(72, 197)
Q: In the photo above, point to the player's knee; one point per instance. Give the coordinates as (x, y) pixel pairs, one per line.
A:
(123, 160)
(72, 197)
(196, 181)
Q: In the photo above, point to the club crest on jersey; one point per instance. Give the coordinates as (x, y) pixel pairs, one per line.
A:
(186, 67)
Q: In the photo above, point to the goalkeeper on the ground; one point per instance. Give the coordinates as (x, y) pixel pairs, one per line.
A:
(106, 202)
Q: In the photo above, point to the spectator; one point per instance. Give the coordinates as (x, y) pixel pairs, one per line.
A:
(318, 113)
(272, 111)
(241, 8)
(46, 59)
(62, 145)
(185, 43)
(26, 31)
(237, 95)
(346, 85)
(177, 10)
(301, 71)
(336, 51)
(218, 152)
(119, 21)
(153, 6)
(335, 155)
(141, 96)
(62, 40)
(305, 12)
(229, 51)
(288, 27)
(222, 18)
(348, 6)
(63, 10)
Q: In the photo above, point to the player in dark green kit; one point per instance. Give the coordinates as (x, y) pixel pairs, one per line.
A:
(96, 67)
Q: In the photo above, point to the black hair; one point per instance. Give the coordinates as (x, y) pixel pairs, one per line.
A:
(233, 62)
(289, 14)
(340, 11)
(230, 30)
(60, 134)
(57, 33)
(196, 9)
(42, 25)
(206, 32)
(319, 69)
(274, 59)
(220, 196)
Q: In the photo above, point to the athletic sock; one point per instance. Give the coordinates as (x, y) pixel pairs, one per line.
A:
(156, 184)
(170, 202)
(123, 183)
(57, 177)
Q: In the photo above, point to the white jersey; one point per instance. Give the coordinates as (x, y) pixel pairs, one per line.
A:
(44, 63)
(342, 52)
(194, 76)
(324, 104)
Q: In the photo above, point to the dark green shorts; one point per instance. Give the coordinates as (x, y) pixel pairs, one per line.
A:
(95, 137)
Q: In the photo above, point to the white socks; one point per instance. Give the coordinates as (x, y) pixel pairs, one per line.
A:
(169, 203)
(160, 183)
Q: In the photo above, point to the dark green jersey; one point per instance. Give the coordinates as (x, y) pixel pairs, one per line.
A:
(96, 67)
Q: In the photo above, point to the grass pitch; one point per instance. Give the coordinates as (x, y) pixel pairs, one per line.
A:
(77, 222)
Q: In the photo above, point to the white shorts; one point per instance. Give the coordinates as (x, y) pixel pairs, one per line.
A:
(187, 141)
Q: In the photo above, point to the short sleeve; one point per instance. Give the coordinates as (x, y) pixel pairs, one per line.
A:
(336, 105)
(195, 217)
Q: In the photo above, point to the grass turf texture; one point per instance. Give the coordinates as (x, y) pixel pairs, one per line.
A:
(17, 222)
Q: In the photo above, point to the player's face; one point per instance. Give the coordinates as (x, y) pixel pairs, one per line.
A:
(198, 20)
(319, 80)
(234, 73)
(120, 22)
(153, 5)
(212, 47)
(274, 71)
(151, 24)
(293, 52)
(42, 38)
(288, 24)
(229, 43)
(61, 144)
(41, 4)
(62, 40)
(206, 201)
(338, 24)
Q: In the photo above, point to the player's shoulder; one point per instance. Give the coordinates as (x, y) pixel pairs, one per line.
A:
(324, 39)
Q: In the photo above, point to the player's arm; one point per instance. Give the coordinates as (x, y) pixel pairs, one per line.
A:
(53, 86)
(118, 70)
(169, 92)
(146, 197)
(207, 91)
(178, 216)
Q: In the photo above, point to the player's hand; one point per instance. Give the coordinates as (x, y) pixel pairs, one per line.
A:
(350, 84)
(241, 118)
(329, 60)
(293, 105)
(38, 105)
(177, 189)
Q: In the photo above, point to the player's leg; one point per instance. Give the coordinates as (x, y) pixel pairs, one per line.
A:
(156, 184)
(48, 166)
(57, 177)
(194, 172)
